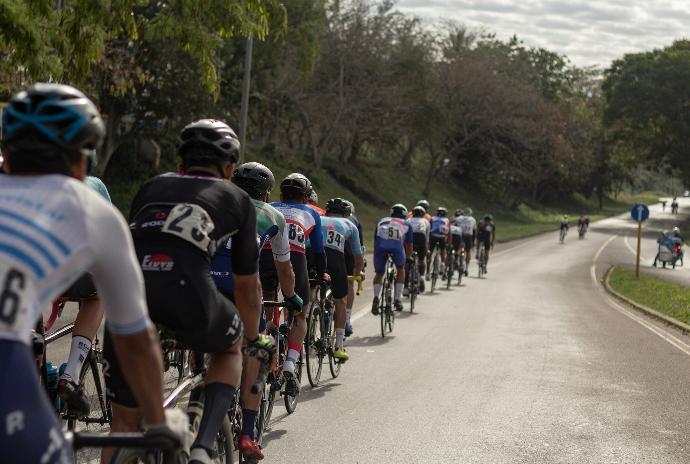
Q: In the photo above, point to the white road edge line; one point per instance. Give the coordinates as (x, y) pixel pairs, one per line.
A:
(647, 262)
(672, 340)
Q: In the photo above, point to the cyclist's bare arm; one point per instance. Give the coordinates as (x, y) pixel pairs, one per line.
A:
(358, 264)
(286, 277)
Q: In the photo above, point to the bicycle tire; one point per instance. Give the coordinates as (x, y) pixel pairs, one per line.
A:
(482, 257)
(291, 401)
(267, 409)
(435, 265)
(461, 268)
(92, 385)
(333, 364)
(449, 269)
(385, 291)
(414, 283)
(313, 344)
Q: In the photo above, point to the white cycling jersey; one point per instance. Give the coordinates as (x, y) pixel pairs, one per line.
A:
(420, 226)
(467, 224)
(53, 229)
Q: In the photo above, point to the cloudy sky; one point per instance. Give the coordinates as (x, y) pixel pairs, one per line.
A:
(590, 32)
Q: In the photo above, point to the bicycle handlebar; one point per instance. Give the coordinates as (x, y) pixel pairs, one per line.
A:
(168, 445)
(360, 282)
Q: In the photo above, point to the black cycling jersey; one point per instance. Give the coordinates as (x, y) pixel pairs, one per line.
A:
(158, 212)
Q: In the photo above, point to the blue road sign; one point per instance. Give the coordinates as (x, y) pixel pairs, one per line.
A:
(639, 212)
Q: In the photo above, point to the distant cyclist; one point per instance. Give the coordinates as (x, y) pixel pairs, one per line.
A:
(439, 236)
(582, 225)
(424, 204)
(350, 264)
(565, 225)
(337, 232)
(393, 236)
(674, 205)
(420, 238)
(468, 226)
(486, 236)
(456, 231)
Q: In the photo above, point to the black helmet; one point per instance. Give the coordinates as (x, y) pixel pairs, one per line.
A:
(297, 181)
(52, 115)
(254, 178)
(488, 217)
(352, 206)
(441, 212)
(418, 211)
(338, 206)
(209, 133)
(424, 204)
(313, 197)
(398, 210)
(459, 212)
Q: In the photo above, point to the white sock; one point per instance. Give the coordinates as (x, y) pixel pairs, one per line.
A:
(77, 355)
(377, 290)
(348, 313)
(293, 355)
(339, 337)
(398, 291)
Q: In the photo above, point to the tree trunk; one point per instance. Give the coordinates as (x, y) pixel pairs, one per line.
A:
(110, 144)
(406, 161)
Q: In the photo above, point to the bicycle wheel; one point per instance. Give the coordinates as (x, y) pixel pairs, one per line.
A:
(333, 363)
(461, 267)
(390, 313)
(435, 265)
(291, 401)
(449, 269)
(313, 344)
(414, 283)
(384, 300)
(267, 403)
(223, 444)
(480, 263)
(92, 385)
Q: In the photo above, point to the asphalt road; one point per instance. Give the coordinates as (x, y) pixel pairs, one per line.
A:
(534, 363)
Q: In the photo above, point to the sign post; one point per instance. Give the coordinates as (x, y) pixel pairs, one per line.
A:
(639, 213)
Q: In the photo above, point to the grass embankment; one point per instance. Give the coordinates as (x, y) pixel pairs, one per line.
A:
(373, 188)
(666, 297)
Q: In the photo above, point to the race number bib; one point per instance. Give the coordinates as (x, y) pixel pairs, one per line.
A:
(335, 239)
(419, 227)
(16, 295)
(296, 235)
(387, 232)
(191, 223)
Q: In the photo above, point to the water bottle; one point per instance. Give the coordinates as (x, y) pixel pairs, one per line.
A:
(53, 378)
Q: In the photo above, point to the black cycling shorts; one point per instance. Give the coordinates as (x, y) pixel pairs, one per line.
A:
(269, 274)
(185, 301)
(419, 241)
(485, 240)
(338, 272)
(82, 289)
(468, 242)
(457, 242)
(437, 241)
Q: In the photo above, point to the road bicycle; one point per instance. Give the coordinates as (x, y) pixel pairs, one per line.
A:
(460, 264)
(413, 278)
(435, 262)
(275, 382)
(563, 233)
(581, 231)
(91, 378)
(386, 297)
(146, 449)
(481, 261)
(450, 267)
(320, 340)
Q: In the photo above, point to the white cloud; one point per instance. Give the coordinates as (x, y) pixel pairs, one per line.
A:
(589, 32)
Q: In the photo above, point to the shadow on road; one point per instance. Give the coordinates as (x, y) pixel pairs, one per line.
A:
(370, 341)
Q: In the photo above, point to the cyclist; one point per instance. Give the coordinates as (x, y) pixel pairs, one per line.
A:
(86, 325)
(420, 240)
(565, 225)
(439, 236)
(486, 236)
(178, 221)
(583, 224)
(424, 204)
(468, 227)
(301, 222)
(337, 231)
(53, 229)
(456, 232)
(674, 205)
(393, 236)
(350, 265)
(257, 180)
